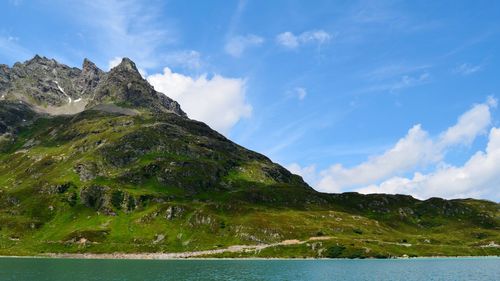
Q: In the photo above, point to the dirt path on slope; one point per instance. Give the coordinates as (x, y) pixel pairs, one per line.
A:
(191, 254)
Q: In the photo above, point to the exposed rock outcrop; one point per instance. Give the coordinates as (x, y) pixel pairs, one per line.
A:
(54, 88)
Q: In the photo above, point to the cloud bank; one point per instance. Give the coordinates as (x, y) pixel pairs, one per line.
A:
(387, 172)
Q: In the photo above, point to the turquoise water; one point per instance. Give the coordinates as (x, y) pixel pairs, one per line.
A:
(469, 269)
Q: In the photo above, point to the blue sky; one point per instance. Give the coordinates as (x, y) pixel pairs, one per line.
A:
(334, 90)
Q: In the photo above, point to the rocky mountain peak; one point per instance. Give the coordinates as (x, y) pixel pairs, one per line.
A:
(41, 60)
(126, 65)
(124, 85)
(125, 72)
(90, 76)
(55, 88)
(89, 66)
(38, 58)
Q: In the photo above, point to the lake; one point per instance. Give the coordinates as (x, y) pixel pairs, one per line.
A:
(455, 269)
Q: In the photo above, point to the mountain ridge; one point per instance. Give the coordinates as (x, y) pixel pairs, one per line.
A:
(130, 172)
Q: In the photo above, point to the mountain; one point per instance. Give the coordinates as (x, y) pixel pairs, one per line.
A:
(100, 162)
(56, 89)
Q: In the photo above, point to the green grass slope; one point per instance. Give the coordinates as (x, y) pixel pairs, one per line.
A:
(99, 182)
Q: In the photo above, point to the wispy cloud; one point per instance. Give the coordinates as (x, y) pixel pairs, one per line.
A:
(395, 77)
(400, 83)
(286, 142)
(289, 40)
(291, 133)
(236, 17)
(410, 81)
(128, 28)
(370, 12)
(236, 45)
(392, 70)
(466, 69)
(385, 13)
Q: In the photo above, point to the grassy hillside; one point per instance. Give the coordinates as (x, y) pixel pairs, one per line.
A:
(103, 182)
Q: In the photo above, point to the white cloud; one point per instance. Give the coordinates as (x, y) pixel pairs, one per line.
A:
(308, 173)
(236, 45)
(467, 69)
(114, 62)
(288, 40)
(471, 124)
(316, 36)
(292, 41)
(417, 150)
(479, 177)
(218, 101)
(492, 101)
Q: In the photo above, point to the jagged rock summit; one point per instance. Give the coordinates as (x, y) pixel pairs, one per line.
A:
(57, 89)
